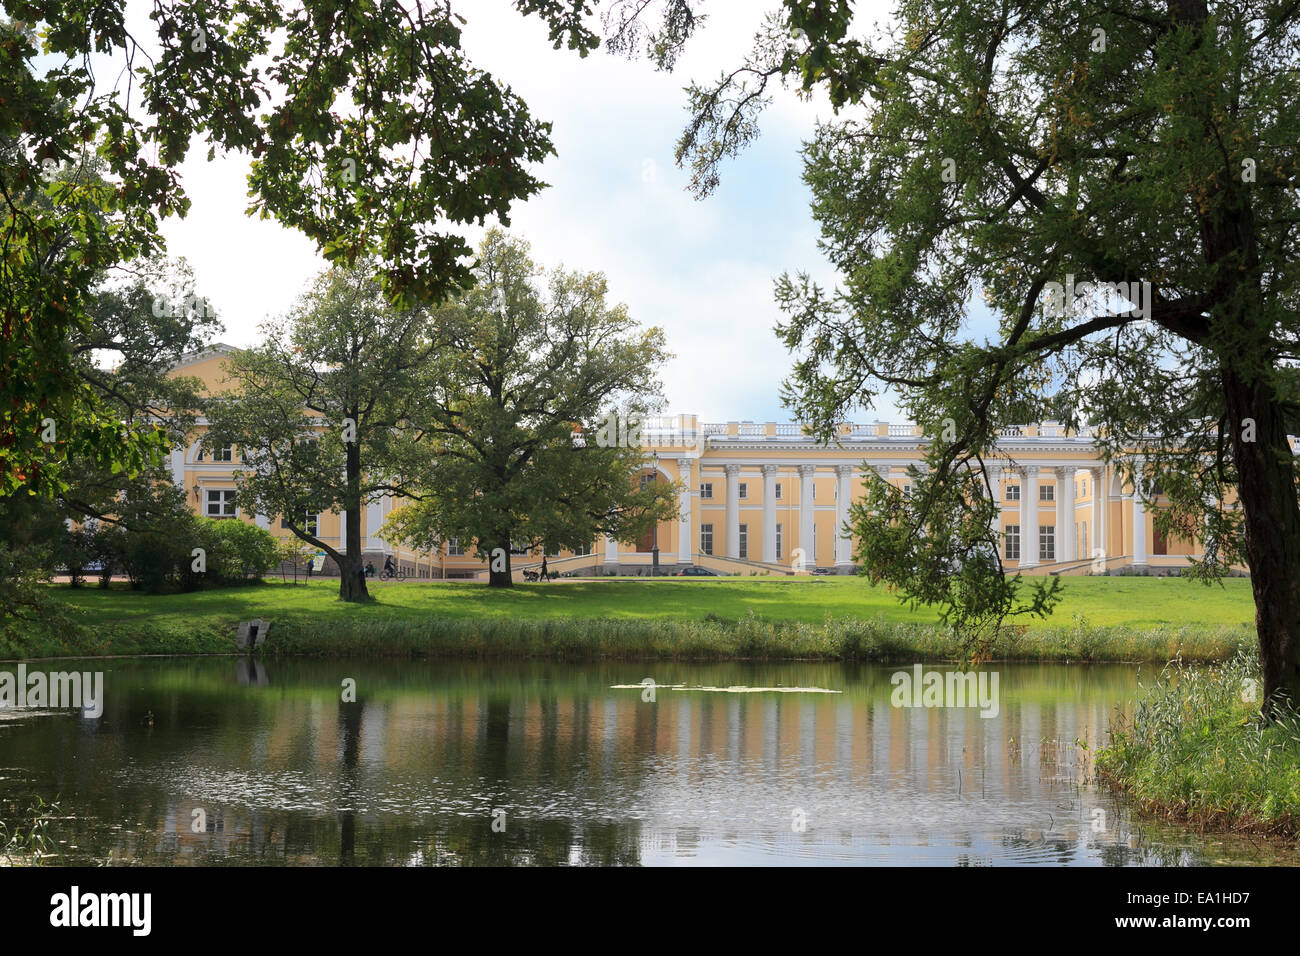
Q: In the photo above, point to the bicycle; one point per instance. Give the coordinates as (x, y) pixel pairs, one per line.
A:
(395, 575)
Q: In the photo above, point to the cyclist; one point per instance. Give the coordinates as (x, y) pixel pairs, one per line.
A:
(389, 567)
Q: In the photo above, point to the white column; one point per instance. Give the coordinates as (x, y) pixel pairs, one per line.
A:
(343, 532)
(386, 508)
(178, 467)
(1067, 549)
(806, 473)
(611, 551)
(1029, 517)
(995, 488)
(685, 540)
(374, 521)
(769, 514)
(1139, 525)
(733, 510)
(1098, 511)
(262, 521)
(844, 497)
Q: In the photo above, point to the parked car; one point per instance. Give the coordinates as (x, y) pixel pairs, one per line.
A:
(821, 571)
(695, 571)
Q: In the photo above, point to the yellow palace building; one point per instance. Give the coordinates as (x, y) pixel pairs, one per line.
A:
(762, 498)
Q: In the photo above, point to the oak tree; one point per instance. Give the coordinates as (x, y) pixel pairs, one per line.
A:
(527, 369)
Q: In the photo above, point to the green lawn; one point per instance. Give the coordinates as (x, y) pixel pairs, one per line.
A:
(1138, 603)
(1115, 619)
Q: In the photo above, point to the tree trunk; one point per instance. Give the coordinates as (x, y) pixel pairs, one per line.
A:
(1267, 491)
(498, 558)
(352, 577)
(1242, 337)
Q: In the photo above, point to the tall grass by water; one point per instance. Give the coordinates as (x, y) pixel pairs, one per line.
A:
(710, 637)
(1196, 752)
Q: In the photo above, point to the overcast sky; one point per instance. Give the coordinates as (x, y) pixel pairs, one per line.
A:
(701, 270)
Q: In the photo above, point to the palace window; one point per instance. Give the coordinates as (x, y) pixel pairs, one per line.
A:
(706, 490)
(224, 453)
(778, 541)
(744, 541)
(744, 489)
(1047, 492)
(221, 503)
(778, 491)
(454, 548)
(310, 523)
(1011, 547)
(706, 539)
(1013, 492)
(1047, 543)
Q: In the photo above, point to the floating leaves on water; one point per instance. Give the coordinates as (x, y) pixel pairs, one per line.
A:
(735, 689)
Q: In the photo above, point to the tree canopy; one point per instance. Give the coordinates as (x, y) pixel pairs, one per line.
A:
(320, 412)
(525, 372)
(369, 130)
(999, 153)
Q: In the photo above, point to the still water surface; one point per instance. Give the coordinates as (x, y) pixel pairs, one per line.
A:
(550, 763)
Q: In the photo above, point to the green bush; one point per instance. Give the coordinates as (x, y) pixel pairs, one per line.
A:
(157, 559)
(72, 552)
(162, 558)
(236, 551)
(107, 547)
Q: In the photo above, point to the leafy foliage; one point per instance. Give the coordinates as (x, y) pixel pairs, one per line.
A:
(985, 150)
(520, 382)
(321, 412)
(1193, 750)
(370, 132)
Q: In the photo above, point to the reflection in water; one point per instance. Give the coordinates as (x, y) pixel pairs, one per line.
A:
(548, 763)
(250, 672)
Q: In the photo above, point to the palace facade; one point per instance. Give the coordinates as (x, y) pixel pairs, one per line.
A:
(763, 498)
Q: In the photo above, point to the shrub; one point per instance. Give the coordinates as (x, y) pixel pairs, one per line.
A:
(158, 559)
(107, 548)
(236, 551)
(71, 552)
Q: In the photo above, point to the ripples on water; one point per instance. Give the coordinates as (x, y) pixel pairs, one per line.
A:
(571, 769)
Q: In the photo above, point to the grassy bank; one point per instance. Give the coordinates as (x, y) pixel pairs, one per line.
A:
(1117, 619)
(1195, 753)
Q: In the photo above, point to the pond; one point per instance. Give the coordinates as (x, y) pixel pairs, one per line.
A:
(227, 761)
